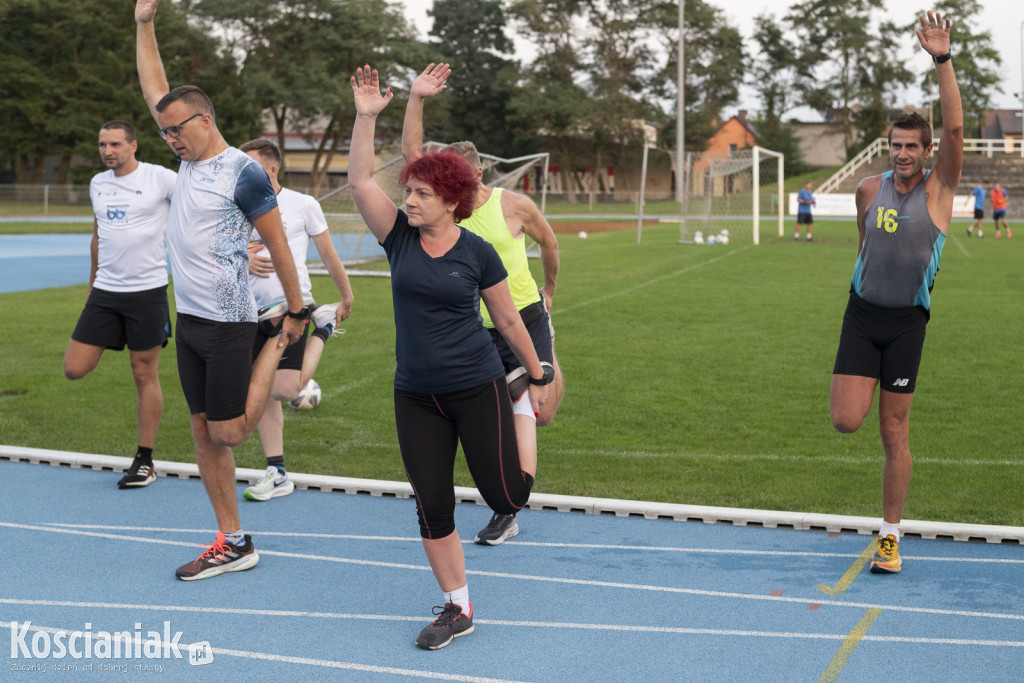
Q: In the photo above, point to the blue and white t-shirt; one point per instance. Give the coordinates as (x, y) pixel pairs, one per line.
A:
(979, 197)
(808, 197)
(208, 232)
(131, 218)
(303, 218)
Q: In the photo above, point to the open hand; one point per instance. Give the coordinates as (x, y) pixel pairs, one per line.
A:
(431, 81)
(934, 34)
(145, 10)
(366, 90)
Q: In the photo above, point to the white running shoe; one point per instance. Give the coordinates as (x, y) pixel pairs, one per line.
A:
(272, 485)
(324, 316)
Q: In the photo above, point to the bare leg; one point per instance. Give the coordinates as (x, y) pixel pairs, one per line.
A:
(310, 361)
(555, 391)
(217, 469)
(145, 366)
(80, 359)
(526, 440)
(894, 427)
(850, 401)
(238, 430)
(272, 429)
(447, 561)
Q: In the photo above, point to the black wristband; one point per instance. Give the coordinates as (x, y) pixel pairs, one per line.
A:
(939, 59)
(300, 314)
(548, 378)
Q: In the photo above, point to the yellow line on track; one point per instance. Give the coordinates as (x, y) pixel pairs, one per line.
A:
(835, 667)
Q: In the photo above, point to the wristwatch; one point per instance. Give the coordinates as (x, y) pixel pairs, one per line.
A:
(548, 378)
(300, 314)
(939, 59)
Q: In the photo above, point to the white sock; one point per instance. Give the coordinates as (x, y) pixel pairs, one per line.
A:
(890, 530)
(237, 538)
(460, 597)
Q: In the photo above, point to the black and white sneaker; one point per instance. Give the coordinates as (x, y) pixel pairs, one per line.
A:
(140, 473)
(220, 557)
(498, 529)
(450, 624)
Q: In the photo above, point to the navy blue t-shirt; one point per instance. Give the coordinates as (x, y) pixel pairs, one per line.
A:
(441, 344)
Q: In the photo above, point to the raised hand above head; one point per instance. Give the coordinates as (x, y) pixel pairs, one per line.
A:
(366, 90)
(934, 34)
(145, 10)
(431, 81)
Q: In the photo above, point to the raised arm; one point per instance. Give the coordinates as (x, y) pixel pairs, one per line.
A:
(427, 84)
(376, 208)
(147, 55)
(336, 269)
(934, 37)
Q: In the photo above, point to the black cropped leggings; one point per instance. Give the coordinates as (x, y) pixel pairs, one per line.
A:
(430, 426)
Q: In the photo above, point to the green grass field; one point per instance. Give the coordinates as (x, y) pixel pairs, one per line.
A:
(694, 374)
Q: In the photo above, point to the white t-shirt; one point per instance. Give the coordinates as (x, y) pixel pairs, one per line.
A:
(303, 218)
(208, 231)
(131, 220)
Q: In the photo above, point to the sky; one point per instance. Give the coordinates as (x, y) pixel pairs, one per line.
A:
(1004, 19)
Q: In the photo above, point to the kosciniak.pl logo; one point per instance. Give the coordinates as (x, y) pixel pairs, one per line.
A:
(39, 643)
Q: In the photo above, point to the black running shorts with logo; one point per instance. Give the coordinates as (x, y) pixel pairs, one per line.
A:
(538, 324)
(214, 365)
(883, 343)
(140, 320)
(292, 357)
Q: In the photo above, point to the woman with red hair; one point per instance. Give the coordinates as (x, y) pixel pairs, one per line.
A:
(449, 380)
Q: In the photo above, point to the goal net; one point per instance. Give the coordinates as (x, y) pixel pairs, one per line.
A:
(352, 239)
(737, 193)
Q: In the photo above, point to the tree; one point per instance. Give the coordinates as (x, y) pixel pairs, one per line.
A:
(296, 56)
(714, 62)
(775, 76)
(68, 67)
(975, 59)
(834, 38)
(471, 35)
(878, 80)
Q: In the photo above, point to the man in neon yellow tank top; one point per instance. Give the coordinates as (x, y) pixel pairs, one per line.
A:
(504, 218)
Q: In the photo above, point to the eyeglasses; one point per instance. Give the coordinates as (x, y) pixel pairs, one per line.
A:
(175, 131)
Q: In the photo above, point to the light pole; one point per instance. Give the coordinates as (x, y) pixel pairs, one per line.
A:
(680, 154)
(1022, 89)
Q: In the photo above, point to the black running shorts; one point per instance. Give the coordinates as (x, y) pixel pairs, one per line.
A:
(112, 320)
(883, 343)
(214, 365)
(292, 357)
(538, 324)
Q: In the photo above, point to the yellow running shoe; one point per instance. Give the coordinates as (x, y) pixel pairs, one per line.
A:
(887, 557)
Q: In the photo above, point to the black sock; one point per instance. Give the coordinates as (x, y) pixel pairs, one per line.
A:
(276, 461)
(323, 332)
(145, 453)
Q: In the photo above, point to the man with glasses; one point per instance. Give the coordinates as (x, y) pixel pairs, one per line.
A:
(220, 196)
(127, 303)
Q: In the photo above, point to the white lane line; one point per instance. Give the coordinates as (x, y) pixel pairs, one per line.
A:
(563, 580)
(560, 310)
(538, 544)
(267, 656)
(580, 626)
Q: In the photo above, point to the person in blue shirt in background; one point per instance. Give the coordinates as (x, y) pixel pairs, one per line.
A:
(804, 200)
(979, 207)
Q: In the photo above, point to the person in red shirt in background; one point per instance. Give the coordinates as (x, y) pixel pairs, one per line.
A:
(999, 209)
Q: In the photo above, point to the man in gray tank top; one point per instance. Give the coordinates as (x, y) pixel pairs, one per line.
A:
(903, 217)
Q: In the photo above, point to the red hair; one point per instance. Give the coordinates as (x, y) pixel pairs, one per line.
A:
(449, 175)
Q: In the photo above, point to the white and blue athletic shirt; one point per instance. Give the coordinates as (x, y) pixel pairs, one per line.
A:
(303, 218)
(208, 232)
(131, 221)
(902, 249)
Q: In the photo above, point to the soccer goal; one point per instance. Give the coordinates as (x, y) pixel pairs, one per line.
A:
(352, 239)
(725, 193)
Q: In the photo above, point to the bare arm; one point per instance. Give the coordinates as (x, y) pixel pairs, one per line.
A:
(509, 324)
(376, 208)
(867, 190)
(934, 38)
(537, 227)
(427, 84)
(272, 233)
(147, 55)
(329, 256)
(94, 252)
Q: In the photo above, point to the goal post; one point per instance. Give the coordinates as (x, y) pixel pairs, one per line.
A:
(725, 193)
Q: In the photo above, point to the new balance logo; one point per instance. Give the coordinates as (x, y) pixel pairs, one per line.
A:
(901, 382)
